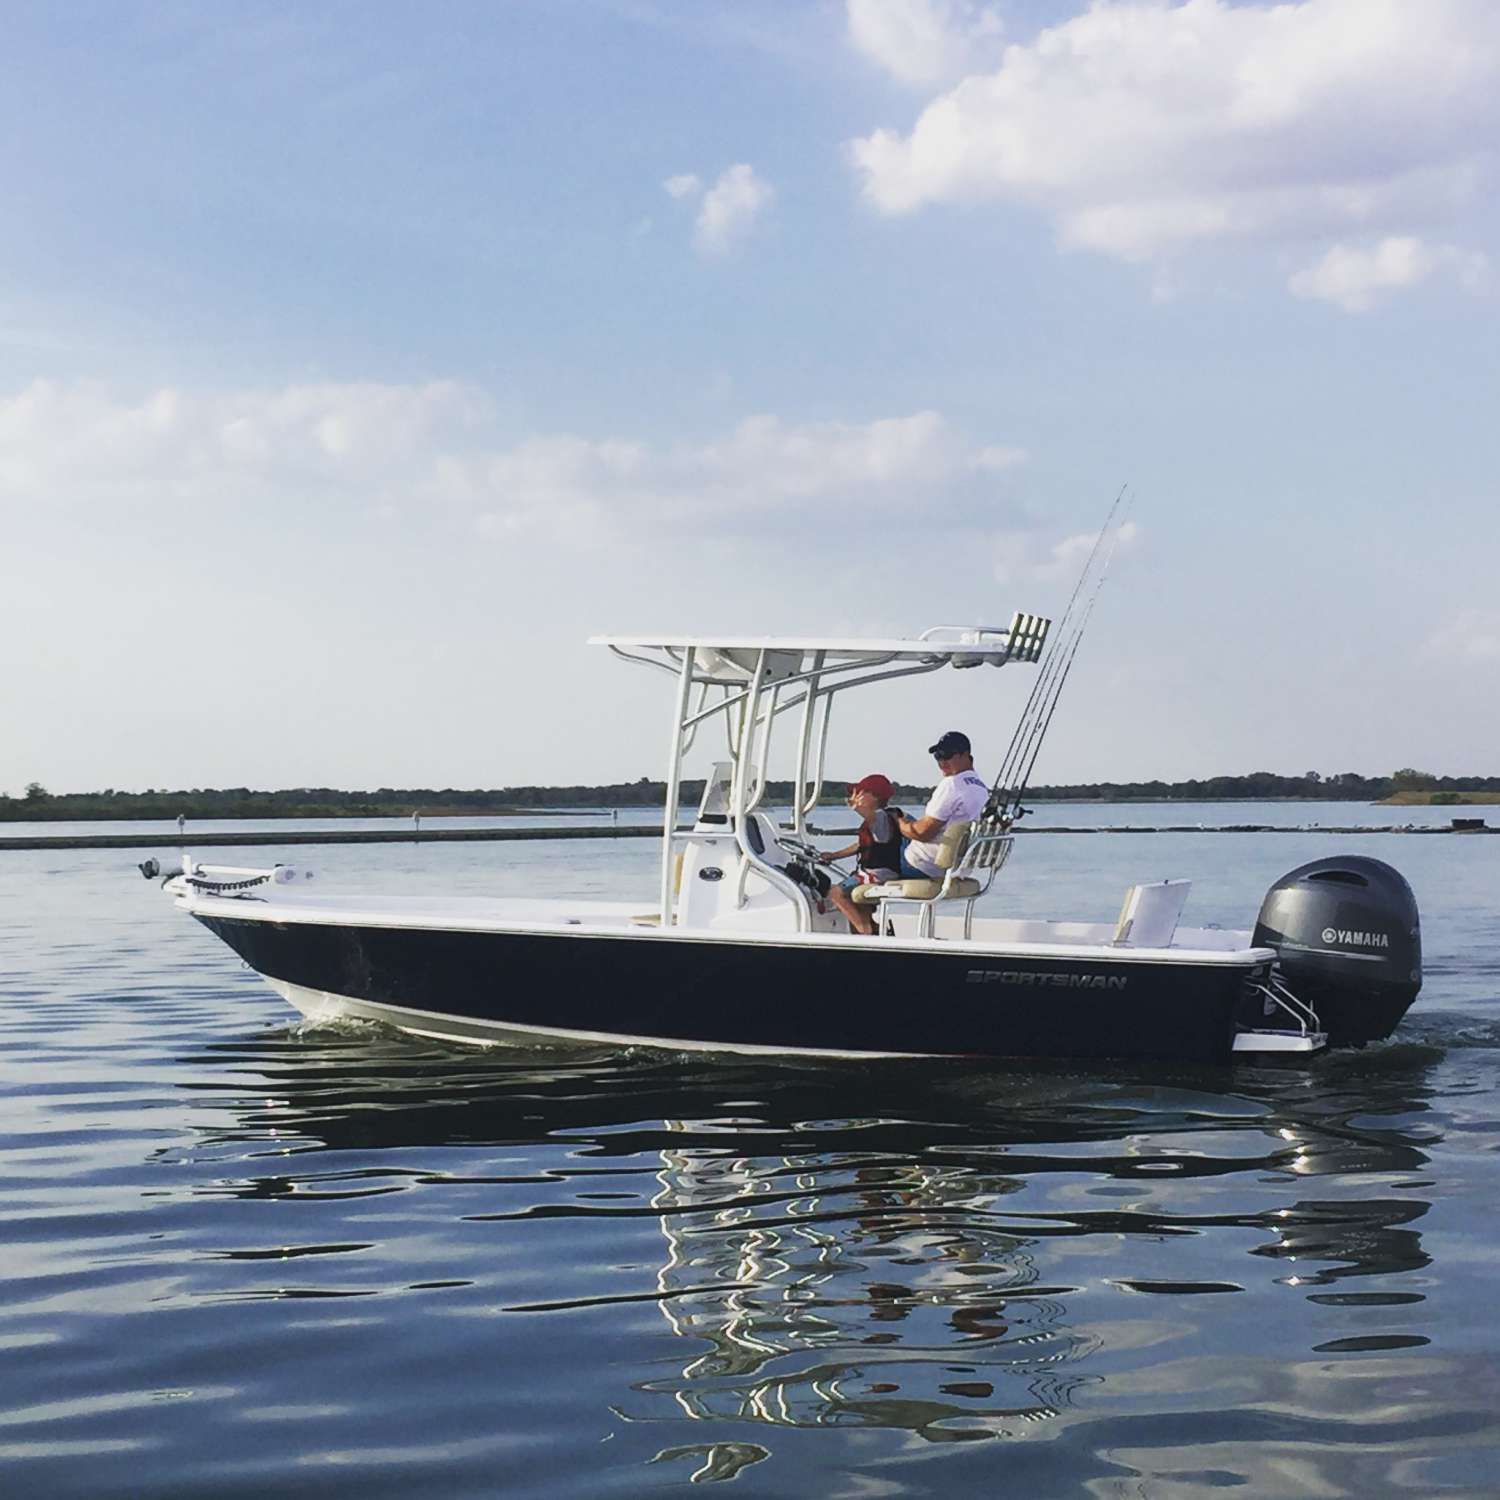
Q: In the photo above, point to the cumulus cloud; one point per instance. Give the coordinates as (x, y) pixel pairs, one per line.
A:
(1470, 636)
(925, 42)
(1141, 127)
(376, 447)
(1356, 277)
(683, 185)
(1026, 556)
(763, 466)
(79, 439)
(730, 207)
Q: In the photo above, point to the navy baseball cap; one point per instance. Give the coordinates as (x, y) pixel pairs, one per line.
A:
(952, 743)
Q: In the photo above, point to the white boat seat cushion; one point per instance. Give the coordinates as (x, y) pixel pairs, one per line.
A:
(916, 890)
(954, 841)
(951, 849)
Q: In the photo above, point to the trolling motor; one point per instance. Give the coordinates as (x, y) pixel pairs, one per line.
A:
(218, 879)
(1348, 942)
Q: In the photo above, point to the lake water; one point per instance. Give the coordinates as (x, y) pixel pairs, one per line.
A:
(246, 1257)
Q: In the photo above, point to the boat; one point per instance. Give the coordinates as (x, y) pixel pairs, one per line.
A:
(739, 948)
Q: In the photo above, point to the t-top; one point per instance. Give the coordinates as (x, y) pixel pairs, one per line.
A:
(957, 798)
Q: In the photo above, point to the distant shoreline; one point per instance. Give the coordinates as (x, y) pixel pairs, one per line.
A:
(303, 803)
(1441, 799)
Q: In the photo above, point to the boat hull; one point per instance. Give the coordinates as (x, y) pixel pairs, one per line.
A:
(845, 997)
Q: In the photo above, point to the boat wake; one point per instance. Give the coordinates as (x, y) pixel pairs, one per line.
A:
(321, 1028)
(1446, 1031)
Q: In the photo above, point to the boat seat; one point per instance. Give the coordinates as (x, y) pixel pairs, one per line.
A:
(917, 890)
(969, 854)
(1150, 914)
(763, 837)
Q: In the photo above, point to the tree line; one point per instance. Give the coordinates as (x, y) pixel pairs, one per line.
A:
(1268, 786)
(38, 804)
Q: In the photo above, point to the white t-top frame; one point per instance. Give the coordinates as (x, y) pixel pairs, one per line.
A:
(752, 680)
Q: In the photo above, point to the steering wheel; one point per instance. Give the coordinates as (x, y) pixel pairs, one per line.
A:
(793, 845)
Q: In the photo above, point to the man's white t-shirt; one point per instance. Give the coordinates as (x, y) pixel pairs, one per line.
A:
(960, 797)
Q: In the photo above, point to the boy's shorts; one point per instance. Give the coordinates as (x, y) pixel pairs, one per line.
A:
(867, 877)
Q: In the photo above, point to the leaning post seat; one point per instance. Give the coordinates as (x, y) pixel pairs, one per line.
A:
(969, 854)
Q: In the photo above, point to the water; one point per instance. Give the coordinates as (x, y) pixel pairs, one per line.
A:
(244, 1257)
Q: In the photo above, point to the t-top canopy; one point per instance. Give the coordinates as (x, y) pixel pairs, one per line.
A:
(955, 645)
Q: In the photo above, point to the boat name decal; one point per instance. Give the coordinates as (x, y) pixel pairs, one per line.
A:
(1356, 939)
(1050, 981)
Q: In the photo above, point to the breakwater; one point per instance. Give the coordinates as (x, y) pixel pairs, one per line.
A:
(241, 838)
(238, 838)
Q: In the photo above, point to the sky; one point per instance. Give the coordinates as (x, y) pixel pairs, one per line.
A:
(359, 361)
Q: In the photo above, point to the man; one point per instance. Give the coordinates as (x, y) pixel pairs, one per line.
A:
(959, 796)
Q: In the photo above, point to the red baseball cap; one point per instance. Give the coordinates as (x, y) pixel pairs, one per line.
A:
(882, 786)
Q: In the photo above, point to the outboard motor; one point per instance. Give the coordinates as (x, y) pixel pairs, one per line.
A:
(1348, 942)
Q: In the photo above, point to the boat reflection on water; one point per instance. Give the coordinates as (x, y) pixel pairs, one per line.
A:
(881, 1294)
(916, 1248)
(914, 1294)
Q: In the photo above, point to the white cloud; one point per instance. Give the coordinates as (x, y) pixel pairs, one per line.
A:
(386, 448)
(730, 207)
(1470, 636)
(1141, 127)
(763, 466)
(925, 42)
(1354, 278)
(1025, 556)
(683, 185)
(73, 441)
(995, 460)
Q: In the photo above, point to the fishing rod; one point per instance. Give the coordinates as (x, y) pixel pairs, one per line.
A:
(1048, 669)
(1036, 718)
(1067, 651)
(1061, 666)
(1067, 666)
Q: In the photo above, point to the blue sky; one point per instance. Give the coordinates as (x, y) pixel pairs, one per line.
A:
(358, 361)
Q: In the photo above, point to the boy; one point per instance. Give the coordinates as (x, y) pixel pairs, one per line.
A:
(878, 847)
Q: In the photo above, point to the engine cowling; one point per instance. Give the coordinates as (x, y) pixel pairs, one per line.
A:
(1348, 941)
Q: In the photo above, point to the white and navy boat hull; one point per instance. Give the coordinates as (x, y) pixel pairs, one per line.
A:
(810, 994)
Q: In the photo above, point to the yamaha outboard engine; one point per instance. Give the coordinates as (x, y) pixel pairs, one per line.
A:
(1348, 943)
